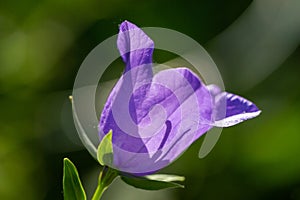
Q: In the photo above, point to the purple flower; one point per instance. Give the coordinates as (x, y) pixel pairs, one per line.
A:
(154, 118)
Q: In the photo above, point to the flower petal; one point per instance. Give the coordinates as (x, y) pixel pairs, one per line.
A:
(214, 90)
(135, 47)
(187, 105)
(136, 50)
(238, 109)
(154, 119)
(121, 112)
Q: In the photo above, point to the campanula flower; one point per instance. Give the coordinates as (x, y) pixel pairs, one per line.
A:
(154, 118)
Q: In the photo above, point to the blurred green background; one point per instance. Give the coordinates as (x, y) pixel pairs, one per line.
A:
(254, 44)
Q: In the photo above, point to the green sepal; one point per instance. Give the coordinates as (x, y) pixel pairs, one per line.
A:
(165, 177)
(105, 150)
(153, 182)
(73, 189)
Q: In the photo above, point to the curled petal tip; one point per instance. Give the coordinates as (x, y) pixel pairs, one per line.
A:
(231, 109)
(126, 25)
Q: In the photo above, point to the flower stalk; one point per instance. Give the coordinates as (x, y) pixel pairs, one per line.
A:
(106, 177)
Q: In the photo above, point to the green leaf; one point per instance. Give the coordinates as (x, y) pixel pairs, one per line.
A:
(105, 150)
(73, 189)
(154, 182)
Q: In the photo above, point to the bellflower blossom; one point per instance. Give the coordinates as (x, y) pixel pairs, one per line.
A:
(154, 118)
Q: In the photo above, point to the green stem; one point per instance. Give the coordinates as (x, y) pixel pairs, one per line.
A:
(106, 177)
(98, 193)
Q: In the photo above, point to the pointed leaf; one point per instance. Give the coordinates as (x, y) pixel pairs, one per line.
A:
(72, 186)
(162, 182)
(105, 150)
